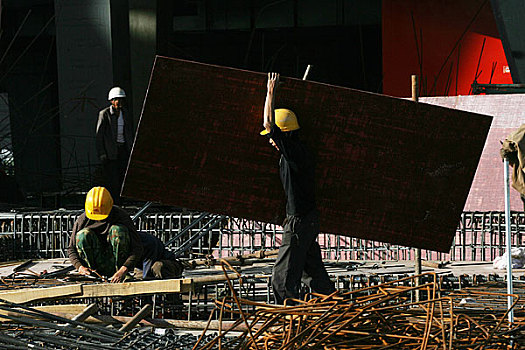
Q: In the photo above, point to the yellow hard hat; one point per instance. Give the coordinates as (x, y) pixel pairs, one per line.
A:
(285, 119)
(98, 203)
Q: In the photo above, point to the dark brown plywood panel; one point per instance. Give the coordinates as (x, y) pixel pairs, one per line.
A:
(388, 169)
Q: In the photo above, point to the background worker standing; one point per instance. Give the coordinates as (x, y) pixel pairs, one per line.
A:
(299, 255)
(114, 139)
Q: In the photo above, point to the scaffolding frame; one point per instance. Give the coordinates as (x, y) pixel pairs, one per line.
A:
(480, 236)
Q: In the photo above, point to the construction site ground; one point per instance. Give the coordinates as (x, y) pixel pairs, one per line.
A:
(35, 276)
(264, 268)
(185, 312)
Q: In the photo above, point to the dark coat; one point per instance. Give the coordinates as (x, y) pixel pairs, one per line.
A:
(117, 216)
(107, 133)
(154, 250)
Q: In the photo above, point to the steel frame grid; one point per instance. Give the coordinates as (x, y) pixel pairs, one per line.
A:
(479, 237)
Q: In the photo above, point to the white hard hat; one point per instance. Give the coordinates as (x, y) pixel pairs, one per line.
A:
(116, 92)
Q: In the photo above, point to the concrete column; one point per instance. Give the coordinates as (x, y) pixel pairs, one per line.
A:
(85, 74)
(120, 43)
(143, 45)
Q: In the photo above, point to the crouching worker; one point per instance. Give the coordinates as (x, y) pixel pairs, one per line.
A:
(104, 239)
(157, 261)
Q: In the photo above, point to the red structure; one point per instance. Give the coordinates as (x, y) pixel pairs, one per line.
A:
(448, 43)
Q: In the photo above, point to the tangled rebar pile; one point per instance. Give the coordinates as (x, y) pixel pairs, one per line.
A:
(28, 328)
(384, 316)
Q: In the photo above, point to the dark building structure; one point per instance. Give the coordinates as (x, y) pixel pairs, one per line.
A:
(59, 58)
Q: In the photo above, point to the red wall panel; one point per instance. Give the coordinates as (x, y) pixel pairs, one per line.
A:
(440, 41)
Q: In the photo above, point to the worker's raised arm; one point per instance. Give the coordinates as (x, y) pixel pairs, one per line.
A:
(269, 104)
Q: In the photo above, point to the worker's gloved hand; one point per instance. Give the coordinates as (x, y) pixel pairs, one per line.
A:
(104, 159)
(504, 153)
(509, 151)
(119, 275)
(84, 270)
(166, 269)
(511, 156)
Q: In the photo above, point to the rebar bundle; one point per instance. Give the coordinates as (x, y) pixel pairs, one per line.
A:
(27, 327)
(384, 316)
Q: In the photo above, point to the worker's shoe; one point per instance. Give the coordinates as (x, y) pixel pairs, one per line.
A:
(166, 269)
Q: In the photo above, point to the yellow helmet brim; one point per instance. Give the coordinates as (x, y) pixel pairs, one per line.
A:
(96, 217)
(264, 132)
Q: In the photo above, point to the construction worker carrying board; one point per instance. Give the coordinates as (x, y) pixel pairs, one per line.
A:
(299, 256)
(105, 242)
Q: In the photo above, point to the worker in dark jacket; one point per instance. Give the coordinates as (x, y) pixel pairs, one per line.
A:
(104, 239)
(299, 256)
(157, 261)
(114, 139)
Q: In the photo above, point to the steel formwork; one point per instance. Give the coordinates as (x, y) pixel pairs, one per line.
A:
(479, 236)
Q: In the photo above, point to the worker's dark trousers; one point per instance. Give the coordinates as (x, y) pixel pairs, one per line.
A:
(115, 171)
(300, 258)
(104, 257)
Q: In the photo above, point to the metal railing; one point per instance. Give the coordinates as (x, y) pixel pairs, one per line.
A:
(479, 237)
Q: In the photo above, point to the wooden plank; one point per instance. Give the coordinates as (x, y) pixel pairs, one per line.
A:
(387, 169)
(215, 278)
(136, 288)
(25, 295)
(132, 322)
(99, 290)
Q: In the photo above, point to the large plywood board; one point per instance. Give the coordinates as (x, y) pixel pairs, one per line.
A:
(388, 169)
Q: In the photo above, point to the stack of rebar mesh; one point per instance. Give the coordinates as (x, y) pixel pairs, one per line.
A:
(28, 328)
(384, 316)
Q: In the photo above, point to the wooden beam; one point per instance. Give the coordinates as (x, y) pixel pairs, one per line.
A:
(98, 290)
(215, 278)
(237, 260)
(88, 311)
(136, 288)
(25, 295)
(137, 318)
